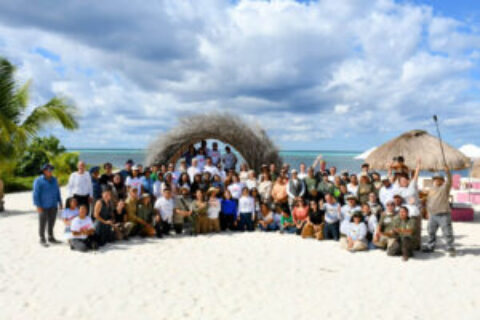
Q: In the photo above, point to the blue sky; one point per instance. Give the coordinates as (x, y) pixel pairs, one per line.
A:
(315, 74)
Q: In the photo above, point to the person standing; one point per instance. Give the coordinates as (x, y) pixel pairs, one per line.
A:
(295, 189)
(215, 154)
(127, 172)
(47, 198)
(80, 185)
(439, 212)
(229, 160)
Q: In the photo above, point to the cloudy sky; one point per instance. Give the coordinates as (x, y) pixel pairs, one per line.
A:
(344, 75)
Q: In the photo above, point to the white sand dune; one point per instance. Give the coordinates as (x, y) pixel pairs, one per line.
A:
(229, 276)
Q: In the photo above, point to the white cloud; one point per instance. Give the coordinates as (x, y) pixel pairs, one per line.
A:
(384, 67)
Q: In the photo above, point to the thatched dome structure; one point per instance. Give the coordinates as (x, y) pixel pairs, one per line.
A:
(250, 141)
(418, 144)
(476, 170)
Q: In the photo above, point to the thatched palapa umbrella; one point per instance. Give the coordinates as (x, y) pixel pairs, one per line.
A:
(418, 144)
(475, 170)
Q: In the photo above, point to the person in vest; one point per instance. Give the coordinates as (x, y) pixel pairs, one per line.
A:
(104, 219)
(46, 197)
(295, 189)
(402, 230)
(439, 213)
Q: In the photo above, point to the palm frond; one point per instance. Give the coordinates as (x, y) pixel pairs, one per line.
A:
(56, 110)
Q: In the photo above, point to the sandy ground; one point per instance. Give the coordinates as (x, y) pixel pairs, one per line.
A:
(229, 276)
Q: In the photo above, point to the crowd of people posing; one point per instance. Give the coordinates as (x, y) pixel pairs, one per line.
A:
(205, 194)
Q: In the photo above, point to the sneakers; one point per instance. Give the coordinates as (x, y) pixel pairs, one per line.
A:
(44, 243)
(427, 249)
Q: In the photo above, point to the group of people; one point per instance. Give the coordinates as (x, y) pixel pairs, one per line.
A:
(205, 194)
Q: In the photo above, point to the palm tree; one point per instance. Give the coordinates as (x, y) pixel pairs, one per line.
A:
(16, 126)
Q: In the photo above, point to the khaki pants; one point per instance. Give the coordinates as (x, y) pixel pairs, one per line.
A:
(201, 225)
(383, 242)
(357, 245)
(213, 225)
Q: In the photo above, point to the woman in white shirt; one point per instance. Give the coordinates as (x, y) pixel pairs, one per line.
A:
(243, 173)
(246, 208)
(236, 187)
(69, 213)
(83, 231)
(251, 181)
(213, 210)
(265, 188)
(370, 220)
(356, 239)
(352, 187)
(332, 218)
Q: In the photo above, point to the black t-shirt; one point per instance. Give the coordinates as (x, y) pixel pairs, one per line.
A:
(120, 216)
(316, 217)
(106, 178)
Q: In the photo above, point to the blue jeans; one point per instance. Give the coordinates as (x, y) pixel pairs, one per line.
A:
(290, 229)
(245, 221)
(332, 231)
(270, 227)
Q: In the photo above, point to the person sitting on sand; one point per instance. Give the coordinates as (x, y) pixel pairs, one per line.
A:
(370, 220)
(183, 211)
(103, 213)
(332, 218)
(138, 226)
(266, 221)
(381, 238)
(246, 210)
(164, 208)
(402, 230)
(146, 212)
(300, 215)
(315, 221)
(199, 213)
(213, 211)
(286, 221)
(356, 239)
(228, 214)
(121, 225)
(68, 214)
(83, 232)
(346, 213)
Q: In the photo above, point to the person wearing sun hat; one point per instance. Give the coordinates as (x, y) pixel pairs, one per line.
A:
(439, 212)
(356, 238)
(213, 211)
(347, 211)
(47, 199)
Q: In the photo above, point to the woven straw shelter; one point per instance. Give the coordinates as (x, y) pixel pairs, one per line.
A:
(475, 173)
(250, 141)
(418, 144)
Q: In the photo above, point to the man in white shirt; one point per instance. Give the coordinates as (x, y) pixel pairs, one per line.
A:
(303, 171)
(211, 168)
(164, 207)
(386, 192)
(193, 170)
(215, 154)
(80, 185)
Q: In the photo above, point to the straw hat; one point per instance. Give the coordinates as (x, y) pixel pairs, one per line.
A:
(211, 190)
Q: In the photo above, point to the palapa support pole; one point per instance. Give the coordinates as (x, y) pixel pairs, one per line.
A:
(435, 119)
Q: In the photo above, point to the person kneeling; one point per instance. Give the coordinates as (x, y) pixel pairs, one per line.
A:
(83, 232)
(403, 230)
(356, 239)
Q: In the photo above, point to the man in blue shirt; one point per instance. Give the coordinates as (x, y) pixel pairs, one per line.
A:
(46, 197)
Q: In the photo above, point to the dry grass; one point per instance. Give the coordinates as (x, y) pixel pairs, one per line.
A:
(418, 144)
(250, 141)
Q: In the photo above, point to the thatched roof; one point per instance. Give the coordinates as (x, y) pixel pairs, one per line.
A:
(475, 170)
(250, 141)
(418, 144)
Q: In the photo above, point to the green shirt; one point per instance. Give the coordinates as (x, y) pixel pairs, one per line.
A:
(325, 187)
(284, 220)
(311, 184)
(386, 223)
(407, 224)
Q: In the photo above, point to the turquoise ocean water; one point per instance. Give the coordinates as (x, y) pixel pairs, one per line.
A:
(343, 160)
(340, 159)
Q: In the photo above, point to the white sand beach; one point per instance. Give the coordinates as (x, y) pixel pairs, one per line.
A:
(229, 276)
